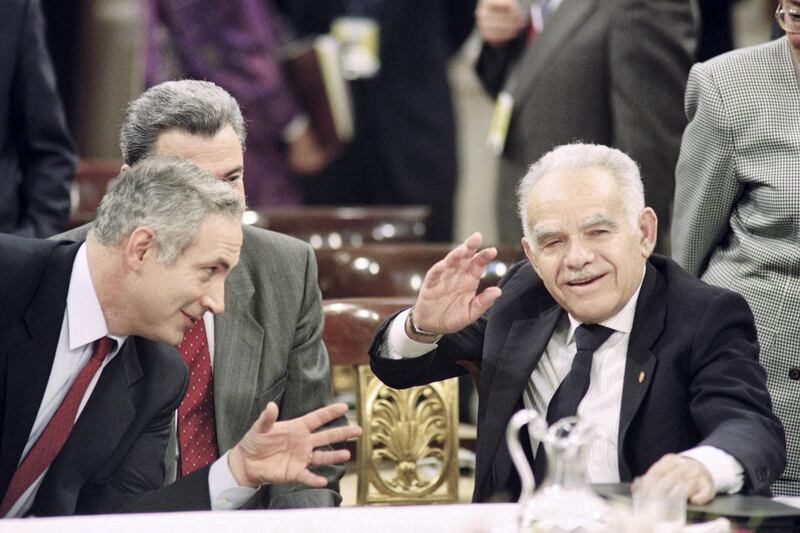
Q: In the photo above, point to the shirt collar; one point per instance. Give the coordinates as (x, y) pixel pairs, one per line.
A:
(622, 321)
(85, 320)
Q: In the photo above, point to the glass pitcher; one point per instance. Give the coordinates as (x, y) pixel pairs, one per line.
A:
(564, 501)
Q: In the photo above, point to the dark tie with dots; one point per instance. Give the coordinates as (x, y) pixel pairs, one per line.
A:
(588, 337)
(197, 434)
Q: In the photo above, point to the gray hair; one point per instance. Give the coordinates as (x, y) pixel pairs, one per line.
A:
(196, 107)
(578, 156)
(167, 194)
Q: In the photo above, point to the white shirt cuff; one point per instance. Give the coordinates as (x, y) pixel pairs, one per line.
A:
(224, 491)
(726, 472)
(397, 345)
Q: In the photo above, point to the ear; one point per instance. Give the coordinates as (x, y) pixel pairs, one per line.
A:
(140, 247)
(526, 245)
(648, 229)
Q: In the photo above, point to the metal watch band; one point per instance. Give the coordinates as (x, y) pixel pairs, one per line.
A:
(416, 331)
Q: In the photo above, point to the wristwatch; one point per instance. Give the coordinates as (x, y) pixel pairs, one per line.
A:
(421, 332)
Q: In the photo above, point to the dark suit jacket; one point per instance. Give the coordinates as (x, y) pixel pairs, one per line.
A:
(268, 347)
(115, 452)
(696, 345)
(404, 149)
(37, 157)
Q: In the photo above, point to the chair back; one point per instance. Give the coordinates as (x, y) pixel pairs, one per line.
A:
(408, 452)
(91, 181)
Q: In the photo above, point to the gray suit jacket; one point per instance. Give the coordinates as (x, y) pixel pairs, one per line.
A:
(605, 71)
(737, 206)
(268, 347)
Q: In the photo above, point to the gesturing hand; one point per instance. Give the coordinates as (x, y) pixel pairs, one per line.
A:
(276, 453)
(675, 472)
(447, 299)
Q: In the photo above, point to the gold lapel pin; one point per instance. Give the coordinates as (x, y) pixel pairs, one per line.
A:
(641, 376)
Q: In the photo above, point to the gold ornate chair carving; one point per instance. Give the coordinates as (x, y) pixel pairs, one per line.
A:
(409, 450)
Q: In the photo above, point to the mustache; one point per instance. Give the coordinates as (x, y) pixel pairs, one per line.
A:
(582, 275)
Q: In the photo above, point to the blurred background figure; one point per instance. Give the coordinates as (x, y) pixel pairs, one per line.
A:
(404, 149)
(610, 72)
(37, 156)
(236, 45)
(737, 202)
(716, 31)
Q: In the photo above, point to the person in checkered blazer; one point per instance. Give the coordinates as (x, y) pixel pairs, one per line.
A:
(737, 202)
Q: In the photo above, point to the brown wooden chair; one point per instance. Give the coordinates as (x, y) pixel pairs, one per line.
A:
(408, 452)
(91, 181)
(394, 269)
(334, 227)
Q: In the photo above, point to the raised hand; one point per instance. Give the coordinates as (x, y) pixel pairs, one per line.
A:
(499, 21)
(276, 453)
(447, 300)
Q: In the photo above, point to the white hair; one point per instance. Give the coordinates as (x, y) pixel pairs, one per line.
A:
(579, 156)
(168, 194)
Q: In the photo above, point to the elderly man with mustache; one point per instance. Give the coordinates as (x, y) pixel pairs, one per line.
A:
(663, 365)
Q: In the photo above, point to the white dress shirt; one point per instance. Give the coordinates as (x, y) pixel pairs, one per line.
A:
(600, 405)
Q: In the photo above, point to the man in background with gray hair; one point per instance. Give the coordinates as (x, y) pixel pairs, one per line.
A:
(88, 391)
(268, 344)
(662, 365)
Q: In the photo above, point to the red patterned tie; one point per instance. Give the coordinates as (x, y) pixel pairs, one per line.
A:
(57, 430)
(197, 435)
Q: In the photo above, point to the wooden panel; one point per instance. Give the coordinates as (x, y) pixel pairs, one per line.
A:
(394, 270)
(91, 180)
(334, 227)
(350, 325)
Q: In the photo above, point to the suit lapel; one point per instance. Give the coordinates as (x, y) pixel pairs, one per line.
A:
(238, 341)
(110, 407)
(560, 27)
(525, 344)
(641, 361)
(29, 364)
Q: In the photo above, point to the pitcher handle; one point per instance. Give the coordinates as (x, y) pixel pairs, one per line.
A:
(522, 418)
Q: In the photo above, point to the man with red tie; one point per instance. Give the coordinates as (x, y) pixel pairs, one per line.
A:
(268, 344)
(87, 389)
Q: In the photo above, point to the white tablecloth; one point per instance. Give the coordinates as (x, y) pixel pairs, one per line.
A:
(462, 518)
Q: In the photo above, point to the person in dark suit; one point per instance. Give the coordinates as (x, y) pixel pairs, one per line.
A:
(675, 392)
(268, 344)
(605, 71)
(404, 147)
(37, 156)
(166, 236)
